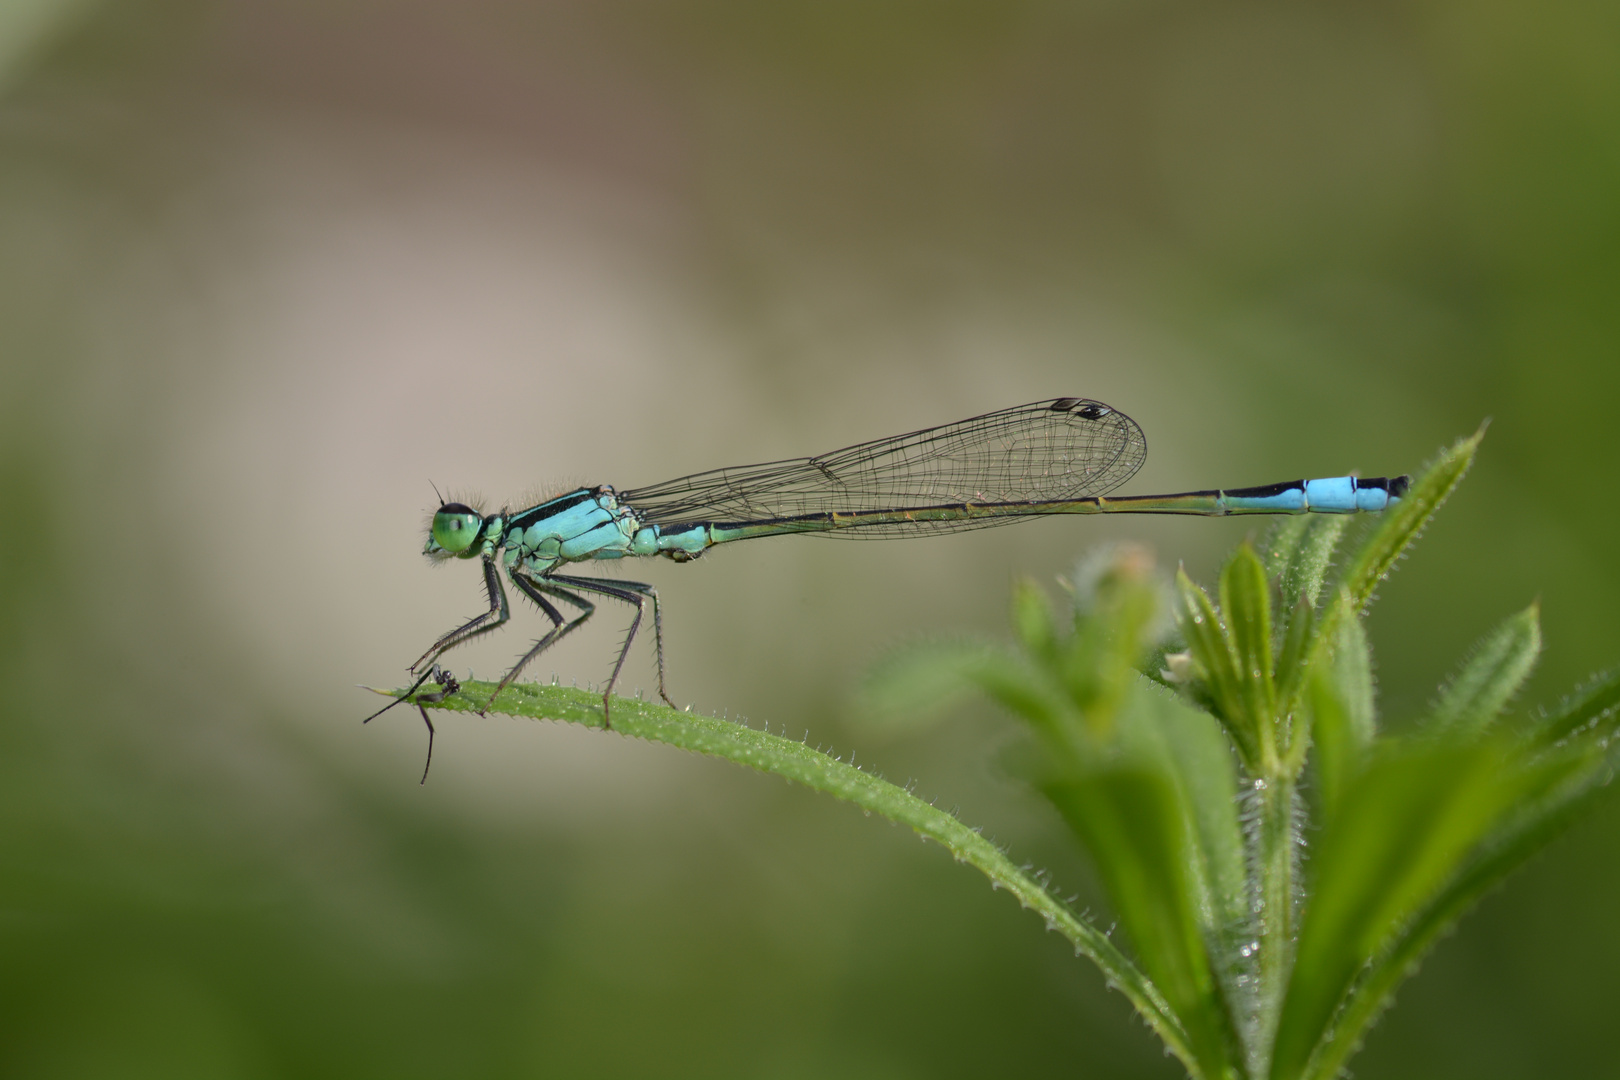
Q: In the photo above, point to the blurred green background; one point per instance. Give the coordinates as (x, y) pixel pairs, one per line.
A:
(268, 268)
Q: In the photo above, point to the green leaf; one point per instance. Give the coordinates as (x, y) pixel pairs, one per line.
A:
(1032, 618)
(1556, 789)
(1246, 603)
(1026, 690)
(1592, 713)
(800, 763)
(1132, 821)
(1400, 525)
(1299, 554)
(1343, 714)
(1215, 666)
(1406, 826)
(1159, 729)
(1197, 753)
(912, 685)
(1117, 602)
(1295, 652)
(1493, 673)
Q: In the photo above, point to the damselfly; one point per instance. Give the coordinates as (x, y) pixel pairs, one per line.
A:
(1050, 457)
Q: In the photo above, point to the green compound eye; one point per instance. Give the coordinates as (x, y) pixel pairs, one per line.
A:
(455, 527)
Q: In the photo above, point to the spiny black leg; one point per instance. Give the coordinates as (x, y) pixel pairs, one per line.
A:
(658, 632)
(649, 594)
(636, 594)
(535, 589)
(450, 686)
(497, 614)
(445, 680)
(406, 696)
(429, 764)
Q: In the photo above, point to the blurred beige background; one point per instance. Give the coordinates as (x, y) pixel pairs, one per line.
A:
(269, 269)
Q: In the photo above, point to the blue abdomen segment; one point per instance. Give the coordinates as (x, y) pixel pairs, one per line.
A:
(1333, 495)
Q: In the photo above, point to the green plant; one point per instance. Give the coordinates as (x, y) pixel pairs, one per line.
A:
(1273, 898)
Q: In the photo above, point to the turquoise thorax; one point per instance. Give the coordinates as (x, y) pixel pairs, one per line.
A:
(587, 523)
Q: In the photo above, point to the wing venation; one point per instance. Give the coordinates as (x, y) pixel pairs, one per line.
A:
(1065, 448)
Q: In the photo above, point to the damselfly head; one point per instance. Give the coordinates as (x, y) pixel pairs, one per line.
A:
(455, 527)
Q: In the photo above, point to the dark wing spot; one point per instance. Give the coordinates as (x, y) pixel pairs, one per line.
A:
(1084, 408)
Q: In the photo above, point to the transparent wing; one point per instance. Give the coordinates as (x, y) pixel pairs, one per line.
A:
(1066, 448)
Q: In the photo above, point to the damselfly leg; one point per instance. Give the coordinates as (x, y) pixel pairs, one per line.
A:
(537, 589)
(635, 593)
(639, 594)
(490, 620)
(448, 685)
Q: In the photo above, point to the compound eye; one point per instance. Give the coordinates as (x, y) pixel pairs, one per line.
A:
(455, 527)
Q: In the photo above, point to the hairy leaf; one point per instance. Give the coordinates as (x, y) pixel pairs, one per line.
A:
(1132, 821)
(1592, 712)
(1343, 714)
(1557, 790)
(1299, 554)
(798, 762)
(1493, 673)
(1246, 604)
(1196, 752)
(1407, 825)
(1295, 651)
(1215, 666)
(1400, 524)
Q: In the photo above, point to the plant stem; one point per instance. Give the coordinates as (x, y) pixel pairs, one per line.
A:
(1275, 828)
